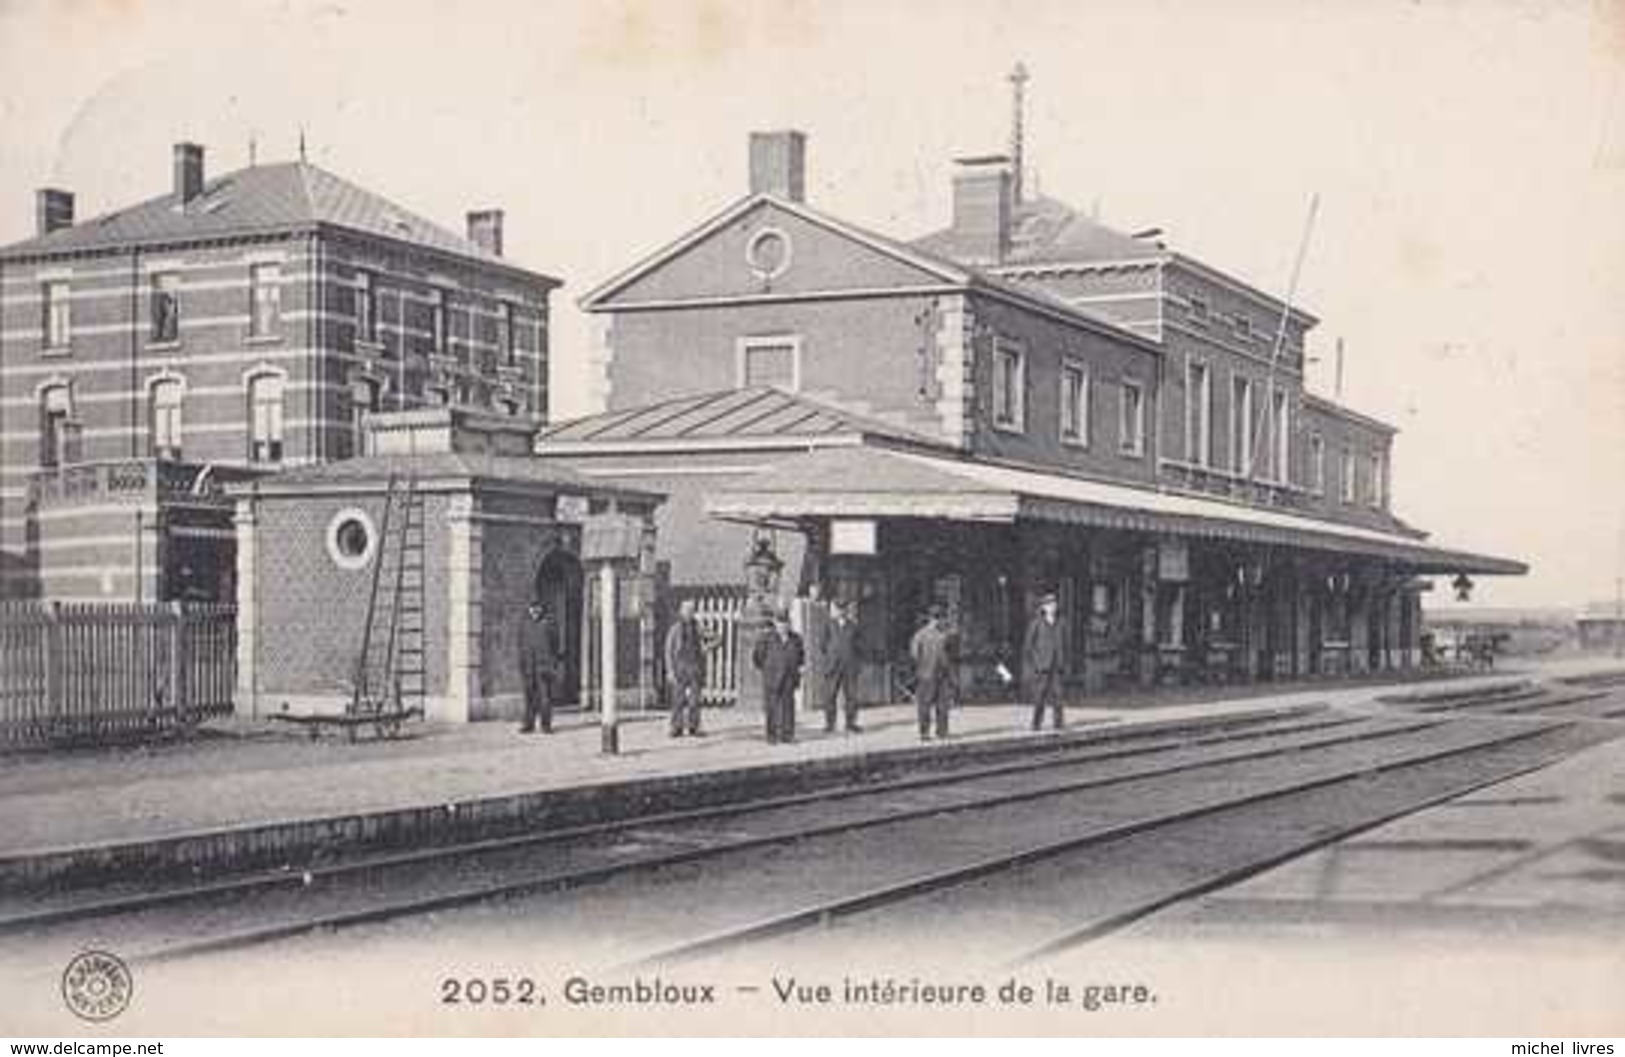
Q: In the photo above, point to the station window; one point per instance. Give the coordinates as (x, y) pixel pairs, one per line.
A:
(1350, 486)
(1199, 415)
(1131, 430)
(1009, 384)
(774, 361)
(1075, 404)
(265, 410)
(265, 299)
(57, 432)
(1317, 464)
(57, 314)
(165, 423)
(165, 300)
(1241, 425)
(366, 308)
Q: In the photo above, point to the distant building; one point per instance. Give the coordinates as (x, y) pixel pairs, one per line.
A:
(1025, 402)
(1601, 626)
(229, 328)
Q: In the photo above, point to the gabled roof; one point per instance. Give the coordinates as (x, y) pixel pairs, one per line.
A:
(755, 413)
(945, 270)
(261, 199)
(951, 273)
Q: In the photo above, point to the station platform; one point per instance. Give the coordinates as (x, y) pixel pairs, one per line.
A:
(259, 794)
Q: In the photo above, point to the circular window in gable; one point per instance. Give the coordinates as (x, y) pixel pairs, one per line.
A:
(768, 253)
(352, 539)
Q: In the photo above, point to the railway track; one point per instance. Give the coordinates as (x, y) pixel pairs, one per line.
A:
(996, 880)
(1318, 754)
(435, 879)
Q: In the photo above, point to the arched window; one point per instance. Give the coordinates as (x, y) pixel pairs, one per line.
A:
(265, 398)
(164, 420)
(58, 435)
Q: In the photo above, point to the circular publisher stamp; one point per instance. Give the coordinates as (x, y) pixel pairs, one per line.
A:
(97, 985)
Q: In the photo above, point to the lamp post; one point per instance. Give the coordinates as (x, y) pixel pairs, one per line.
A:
(608, 539)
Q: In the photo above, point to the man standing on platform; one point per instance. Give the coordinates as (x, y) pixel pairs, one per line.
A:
(840, 653)
(778, 655)
(540, 661)
(687, 643)
(935, 654)
(1042, 663)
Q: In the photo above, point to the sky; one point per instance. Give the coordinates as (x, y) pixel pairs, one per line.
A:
(1469, 157)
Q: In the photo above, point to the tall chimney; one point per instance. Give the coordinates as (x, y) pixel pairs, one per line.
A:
(53, 210)
(485, 230)
(983, 203)
(188, 171)
(778, 164)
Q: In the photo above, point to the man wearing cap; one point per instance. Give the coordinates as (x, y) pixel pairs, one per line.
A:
(1042, 661)
(840, 652)
(935, 654)
(778, 655)
(540, 661)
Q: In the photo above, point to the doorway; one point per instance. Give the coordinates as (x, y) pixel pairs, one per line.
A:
(558, 586)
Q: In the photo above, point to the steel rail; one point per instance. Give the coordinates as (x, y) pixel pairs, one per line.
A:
(821, 913)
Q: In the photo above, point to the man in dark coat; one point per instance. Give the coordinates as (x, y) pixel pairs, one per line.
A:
(840, 651)
(935, 652)
(1042, 661)
(541, 659)
(687, 643)
(778, 655)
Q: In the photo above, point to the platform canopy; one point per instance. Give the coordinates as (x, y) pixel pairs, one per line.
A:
(870, 482)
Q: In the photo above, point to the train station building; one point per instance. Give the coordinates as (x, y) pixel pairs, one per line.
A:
(230, 327)
(1024, 402)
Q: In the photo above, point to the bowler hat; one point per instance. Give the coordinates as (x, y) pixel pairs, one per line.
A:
(1049, 598)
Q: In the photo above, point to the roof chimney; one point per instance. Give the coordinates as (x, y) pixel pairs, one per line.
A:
(983, 203)
(778, 164)
(53, 209)
(485, 230)
(188, 171)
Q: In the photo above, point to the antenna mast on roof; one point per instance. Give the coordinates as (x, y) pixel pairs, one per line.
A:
(301, 144)
(1280, 339)
(1018, 101)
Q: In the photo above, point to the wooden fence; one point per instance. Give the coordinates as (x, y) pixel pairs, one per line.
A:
(104, 671)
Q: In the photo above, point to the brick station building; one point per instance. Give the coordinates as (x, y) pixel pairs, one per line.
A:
(493, 527)
(1026, 401)
(228, 328)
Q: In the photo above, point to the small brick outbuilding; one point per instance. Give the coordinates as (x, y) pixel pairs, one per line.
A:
(499, 526)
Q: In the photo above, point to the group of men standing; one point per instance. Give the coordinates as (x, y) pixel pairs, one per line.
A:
(779, 655)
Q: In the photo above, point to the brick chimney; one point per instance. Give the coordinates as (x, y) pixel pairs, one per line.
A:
(485, 230)
(188, 171)
(983, 203)
(778, 164)
(53, 210)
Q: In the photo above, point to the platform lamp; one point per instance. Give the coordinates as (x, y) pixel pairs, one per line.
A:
(1463, 586)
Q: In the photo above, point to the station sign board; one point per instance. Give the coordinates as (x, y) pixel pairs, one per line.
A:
(853, 536)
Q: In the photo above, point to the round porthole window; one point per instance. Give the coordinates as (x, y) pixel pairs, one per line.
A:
(768, 253)
(351, 538)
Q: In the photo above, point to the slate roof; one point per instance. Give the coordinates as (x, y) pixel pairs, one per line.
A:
(865, 482)
(261, 199)
(754, 412)
(1047, 231)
